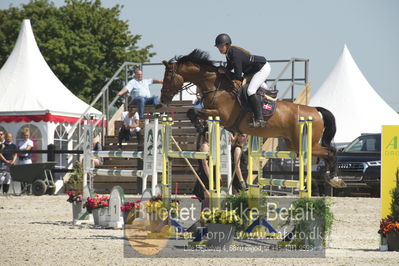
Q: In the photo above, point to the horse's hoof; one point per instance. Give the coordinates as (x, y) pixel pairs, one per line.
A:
(336, 182)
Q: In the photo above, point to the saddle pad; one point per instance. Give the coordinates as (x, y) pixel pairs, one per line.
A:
(268, 107)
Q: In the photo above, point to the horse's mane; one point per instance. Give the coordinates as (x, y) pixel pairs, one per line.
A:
(196, 57)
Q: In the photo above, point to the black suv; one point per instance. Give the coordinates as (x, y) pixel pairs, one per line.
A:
(359, 165)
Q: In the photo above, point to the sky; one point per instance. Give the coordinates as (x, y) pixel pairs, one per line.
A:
(312, 29)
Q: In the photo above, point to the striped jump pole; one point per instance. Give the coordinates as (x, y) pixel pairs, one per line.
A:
(111, 172)
(122, 154)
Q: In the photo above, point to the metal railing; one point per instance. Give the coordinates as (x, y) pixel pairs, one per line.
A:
(293, 79)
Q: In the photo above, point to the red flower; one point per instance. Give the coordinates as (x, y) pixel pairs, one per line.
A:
(130, 205)
(388, 225)
(96, 202)
(74, 196)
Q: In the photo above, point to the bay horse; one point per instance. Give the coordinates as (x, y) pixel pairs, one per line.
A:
(219, 99)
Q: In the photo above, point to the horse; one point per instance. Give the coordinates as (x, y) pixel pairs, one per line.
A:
(220, 99)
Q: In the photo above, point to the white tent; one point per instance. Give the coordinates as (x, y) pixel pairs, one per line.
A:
(32, 96)
(357, 107)
(29, 87)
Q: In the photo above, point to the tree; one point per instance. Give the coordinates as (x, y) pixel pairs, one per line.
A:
(83, 42)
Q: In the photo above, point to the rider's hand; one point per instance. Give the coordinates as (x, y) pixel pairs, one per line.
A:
(237, 83)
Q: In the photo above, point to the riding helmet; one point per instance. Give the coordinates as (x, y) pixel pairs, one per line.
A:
(222, 39)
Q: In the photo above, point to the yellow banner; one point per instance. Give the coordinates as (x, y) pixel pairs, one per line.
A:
(389, 166)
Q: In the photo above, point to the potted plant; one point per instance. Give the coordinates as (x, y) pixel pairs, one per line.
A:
(75, 197)
(389, 227)
(221, 226)
(158, 211)
(97, 206)
(129, 210)
(312, 221)
(75, 180)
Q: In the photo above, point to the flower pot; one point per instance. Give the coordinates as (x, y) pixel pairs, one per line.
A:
(220, 235)
(125, 215)
(100, 216)
(96, 216)
(393, 241)
(128, 215)
(155, 221)
(309, 234)
(76, 210)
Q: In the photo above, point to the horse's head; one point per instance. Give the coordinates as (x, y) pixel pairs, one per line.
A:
(172, 82)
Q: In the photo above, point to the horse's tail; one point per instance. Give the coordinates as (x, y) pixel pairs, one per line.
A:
(329, 129)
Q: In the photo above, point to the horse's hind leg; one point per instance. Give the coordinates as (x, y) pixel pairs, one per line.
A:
(329, 157)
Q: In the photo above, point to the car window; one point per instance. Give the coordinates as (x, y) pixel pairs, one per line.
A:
(368, 143)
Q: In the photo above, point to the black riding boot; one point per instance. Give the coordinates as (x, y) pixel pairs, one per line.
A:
(255, 101)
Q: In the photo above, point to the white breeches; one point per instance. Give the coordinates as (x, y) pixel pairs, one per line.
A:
(28, 161)
(258, 80)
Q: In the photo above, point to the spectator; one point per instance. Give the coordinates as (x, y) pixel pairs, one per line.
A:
(2, 139)
(197, 102)
(240, 162)
(26, 144)
(139, 91)
(97, 161)
(130, 120)
(2, 159)
(203, 166)
(8, 158)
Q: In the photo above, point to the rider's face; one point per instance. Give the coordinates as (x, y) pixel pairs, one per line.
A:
(222, 48)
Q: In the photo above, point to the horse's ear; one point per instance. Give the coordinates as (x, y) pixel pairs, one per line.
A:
(165, 63)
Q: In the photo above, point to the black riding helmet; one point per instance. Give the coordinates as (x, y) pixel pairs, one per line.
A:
(222, 39)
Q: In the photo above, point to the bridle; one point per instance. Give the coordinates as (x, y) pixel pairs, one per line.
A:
(183, 87)
(173, 70)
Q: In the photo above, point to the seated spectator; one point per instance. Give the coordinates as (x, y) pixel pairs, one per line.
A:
(97, 161)
(139, 91)
(130, 126)
(197, 102)
(8, 158)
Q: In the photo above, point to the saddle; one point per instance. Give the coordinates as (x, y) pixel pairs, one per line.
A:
(268, 106)
(271, 95)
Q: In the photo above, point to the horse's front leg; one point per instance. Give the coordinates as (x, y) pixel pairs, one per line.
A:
(195, 114)
(205, 113)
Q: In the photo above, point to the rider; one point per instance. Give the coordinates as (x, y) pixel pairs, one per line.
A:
(244, 63)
